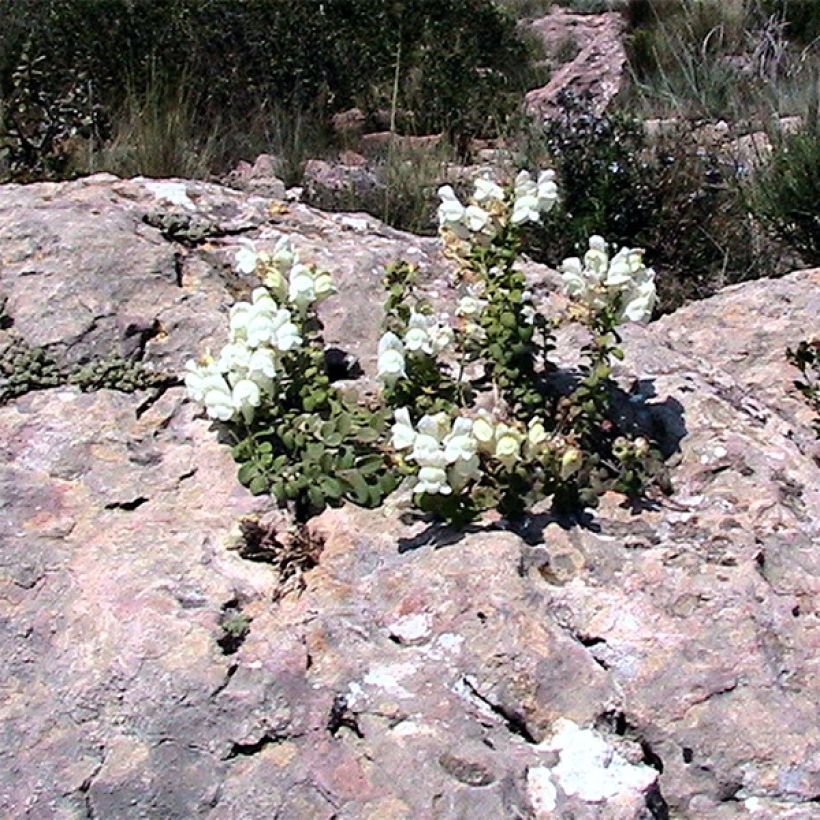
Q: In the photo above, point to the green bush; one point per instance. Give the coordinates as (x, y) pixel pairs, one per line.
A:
(675, 200)
(784, 192)
(450, 65)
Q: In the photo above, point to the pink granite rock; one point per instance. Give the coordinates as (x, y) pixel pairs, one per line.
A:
(654, 663)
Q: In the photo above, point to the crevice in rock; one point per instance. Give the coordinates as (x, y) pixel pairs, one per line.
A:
(513, 721)
(250, 749)
(179, 268)
(153, 397)
(228, 677)
(656, 805)
(127, 506)
(616, 722)
(341, 717)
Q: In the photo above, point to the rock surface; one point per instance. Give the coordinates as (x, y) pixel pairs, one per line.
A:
(596, 70)
(659, 663)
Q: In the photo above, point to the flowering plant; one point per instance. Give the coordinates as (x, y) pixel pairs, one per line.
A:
(479, 419)
(479, 422)
(293, 433)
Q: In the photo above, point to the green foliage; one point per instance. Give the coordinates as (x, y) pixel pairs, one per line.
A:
(170, 72)
(541, 439)
(677, 200)
(117, 373)
(732, 59)
(783, 194)
(806, 357)
(24, 368)
(802, 17)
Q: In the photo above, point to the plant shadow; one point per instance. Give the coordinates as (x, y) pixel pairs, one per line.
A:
(635, 414)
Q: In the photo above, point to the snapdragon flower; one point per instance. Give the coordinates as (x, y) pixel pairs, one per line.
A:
(391, 363)
(427, 335)
(308, 285)
(246, 258)
(444, 450)
(533, 197)
(599, 280)
(487, 190)
(450, 211)
(207, 385)
(263, 322)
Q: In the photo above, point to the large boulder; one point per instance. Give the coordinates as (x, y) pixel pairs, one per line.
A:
(597, 67)
(650, 663)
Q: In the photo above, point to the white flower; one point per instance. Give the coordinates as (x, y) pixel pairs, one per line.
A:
(484, 432)
(507, 444)
(404, 435)
(476, 218)
(246, 257)
(524, 185)
(536, 436)
(245, 398)
(235, 356)
(571, 462)
(486, 190)
(262, 368)
(525, 209)
(471, 306)
(285, 334)
(424, 334)
(462, 472)
(459, 444)
(284, 256)
(218, 400)
(200, 377)
(433, 480)
(445, 452)
(391, 364)
(450, 211)
(547, 191)
(308, 285)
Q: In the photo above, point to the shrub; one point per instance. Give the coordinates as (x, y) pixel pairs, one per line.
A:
(479, 419)
(676, 200)
(783, 194)
(450, 66)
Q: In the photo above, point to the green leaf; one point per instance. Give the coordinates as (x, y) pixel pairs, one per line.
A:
(316, 498)
(247, 472)
(258, 485)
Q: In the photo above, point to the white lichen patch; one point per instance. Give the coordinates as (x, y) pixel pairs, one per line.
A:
(387, 678)
(590, 769)
(174, 192)
(542, 791)
(412, 628)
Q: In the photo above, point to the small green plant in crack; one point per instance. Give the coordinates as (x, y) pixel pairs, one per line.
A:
(236, 626)
(24, 368)
(183, 228)
(806, 358)
(118, 373)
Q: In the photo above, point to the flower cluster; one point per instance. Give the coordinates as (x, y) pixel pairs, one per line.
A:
(424, 335)
(491, 207)
(444, 450)
(621, 282)
(262, 331)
